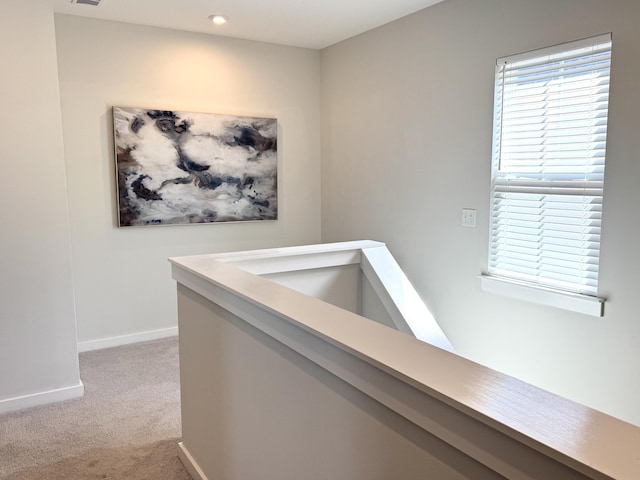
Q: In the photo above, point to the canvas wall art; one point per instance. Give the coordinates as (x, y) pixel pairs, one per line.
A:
(183, 168)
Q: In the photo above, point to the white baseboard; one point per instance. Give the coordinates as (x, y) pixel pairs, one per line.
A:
(190, 464)
(109, 342)
(41, 398)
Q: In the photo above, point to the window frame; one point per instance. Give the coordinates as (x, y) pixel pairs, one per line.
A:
(539, 288)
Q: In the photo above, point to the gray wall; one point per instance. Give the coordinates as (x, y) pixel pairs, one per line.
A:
(123, 285)
(37, 323)
(307, 423)
(406, 115)
(407, 125)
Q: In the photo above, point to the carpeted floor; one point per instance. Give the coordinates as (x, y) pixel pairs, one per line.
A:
(127, 425)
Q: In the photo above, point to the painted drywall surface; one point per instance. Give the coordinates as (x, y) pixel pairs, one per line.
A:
(261, 400)
(123, 284)
(407, 119)
(37, 324)
(372, 306)
(339, 286)
(345, 287)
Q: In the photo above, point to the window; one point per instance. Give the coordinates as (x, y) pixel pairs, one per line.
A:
(550, 130)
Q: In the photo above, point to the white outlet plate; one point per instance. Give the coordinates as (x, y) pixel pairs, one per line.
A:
(468, 217)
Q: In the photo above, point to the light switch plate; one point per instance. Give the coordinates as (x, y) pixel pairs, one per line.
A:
(468, 217)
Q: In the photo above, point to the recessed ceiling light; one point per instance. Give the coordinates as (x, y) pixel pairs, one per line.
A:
(218, 19)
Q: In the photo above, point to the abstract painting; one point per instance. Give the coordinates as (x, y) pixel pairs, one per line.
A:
(183, 168)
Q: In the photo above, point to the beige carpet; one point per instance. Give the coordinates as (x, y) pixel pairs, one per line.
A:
(127, 425)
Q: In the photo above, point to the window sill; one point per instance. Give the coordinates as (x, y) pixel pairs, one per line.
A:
(568, 301)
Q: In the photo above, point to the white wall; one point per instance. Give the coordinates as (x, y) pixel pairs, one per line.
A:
(339, 286)
(123, 285)
(407, 119)
(406, 142)
(37, 325)
(345, 287)
(260, 399)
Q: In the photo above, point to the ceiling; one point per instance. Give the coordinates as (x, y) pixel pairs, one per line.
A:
(302, 23)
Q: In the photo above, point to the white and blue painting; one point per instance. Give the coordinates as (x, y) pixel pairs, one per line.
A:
(183, 168)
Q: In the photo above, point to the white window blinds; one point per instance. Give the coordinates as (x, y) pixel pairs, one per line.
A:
(550, 130)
